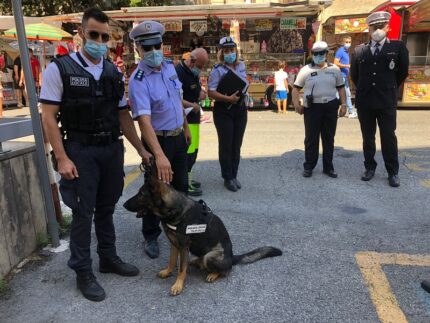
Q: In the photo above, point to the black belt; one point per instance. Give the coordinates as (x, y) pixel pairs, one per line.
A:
(92, 139)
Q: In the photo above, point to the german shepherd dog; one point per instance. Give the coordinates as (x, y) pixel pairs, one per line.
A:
(190, 227)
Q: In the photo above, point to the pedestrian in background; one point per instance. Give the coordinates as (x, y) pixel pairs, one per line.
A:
(156, 103)
(230, 115)
(378, 69)
(16, 81)
(321, 82)
(188, 71)
(341, 60)
(281, 87)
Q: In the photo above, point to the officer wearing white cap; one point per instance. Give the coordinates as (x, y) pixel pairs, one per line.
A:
(155, 95)
(378, 68)
(230, 114)
(321, 82)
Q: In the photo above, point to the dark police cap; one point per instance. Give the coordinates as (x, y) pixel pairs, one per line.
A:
(148, 33)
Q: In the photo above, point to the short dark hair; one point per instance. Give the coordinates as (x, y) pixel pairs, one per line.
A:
(96, 14)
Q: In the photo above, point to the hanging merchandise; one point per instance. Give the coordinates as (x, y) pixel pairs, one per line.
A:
(263, 47)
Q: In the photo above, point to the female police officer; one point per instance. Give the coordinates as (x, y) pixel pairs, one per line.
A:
(321, 82)
(230, 118)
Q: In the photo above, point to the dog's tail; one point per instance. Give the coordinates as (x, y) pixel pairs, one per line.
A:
(257, 254)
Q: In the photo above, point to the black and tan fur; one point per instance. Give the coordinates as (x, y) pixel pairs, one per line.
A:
(213, 248)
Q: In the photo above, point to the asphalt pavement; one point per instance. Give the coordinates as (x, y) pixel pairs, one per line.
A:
(321, 224)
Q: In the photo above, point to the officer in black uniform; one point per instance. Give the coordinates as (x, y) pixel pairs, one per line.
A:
(86, 93)
(189, 71)
(378, 68)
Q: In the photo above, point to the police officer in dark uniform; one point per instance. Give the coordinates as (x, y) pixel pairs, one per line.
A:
(86, 93)
(378, 68)
(230, 113)
(156, 103)
(189, 74)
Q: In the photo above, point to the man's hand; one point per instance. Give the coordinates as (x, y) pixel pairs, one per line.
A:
(67, 169)
(234, 98)
(164, 169)
(187, 134)
(196, 107)
(299, 109)
(342, 111)
(146, 156)
(16, 79)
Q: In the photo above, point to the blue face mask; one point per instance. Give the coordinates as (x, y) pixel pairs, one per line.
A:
(153, 58)
(318, 59)
(95, 49)
(230, 58)
(196, 71)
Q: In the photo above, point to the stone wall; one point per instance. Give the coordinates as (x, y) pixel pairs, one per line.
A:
(22, 209)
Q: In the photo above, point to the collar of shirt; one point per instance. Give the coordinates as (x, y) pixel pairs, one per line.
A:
(148, 69)
(91, 64)
(382, 42)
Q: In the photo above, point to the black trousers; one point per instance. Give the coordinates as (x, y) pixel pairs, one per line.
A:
(230, 126)
(386, 120)
(175, 149)
(320, 120)
(93, 195)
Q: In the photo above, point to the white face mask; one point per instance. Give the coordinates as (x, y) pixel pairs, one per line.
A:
(379, 35)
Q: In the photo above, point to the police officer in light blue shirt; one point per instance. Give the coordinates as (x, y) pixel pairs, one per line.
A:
(155, 97)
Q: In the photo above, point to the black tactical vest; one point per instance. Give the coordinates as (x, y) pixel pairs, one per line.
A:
(87, 105)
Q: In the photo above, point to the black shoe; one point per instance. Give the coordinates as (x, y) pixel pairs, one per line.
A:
(394, 180)
(238, 185)
(117, 266)
(194, 191)
(307, 173)
(89, 287)
(196, 184)
(368, 175)
(425, 284)
(330, 173)
(230, 185)
(151, 249)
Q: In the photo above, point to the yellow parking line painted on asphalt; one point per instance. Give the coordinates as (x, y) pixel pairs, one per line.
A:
(419, 167)
(370, 264)
(425, 182)
(132, 176)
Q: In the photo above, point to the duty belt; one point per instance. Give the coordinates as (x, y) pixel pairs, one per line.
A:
(92, 139)
(323, 100)
(169, 133)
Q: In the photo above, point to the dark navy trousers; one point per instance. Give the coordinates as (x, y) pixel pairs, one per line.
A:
(92, 196)
(175, 149)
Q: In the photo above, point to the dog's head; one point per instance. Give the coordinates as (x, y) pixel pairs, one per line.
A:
(156, 197)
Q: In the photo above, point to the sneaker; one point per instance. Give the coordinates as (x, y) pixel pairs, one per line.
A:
(194, 191)
(196, 184)
(353, 115)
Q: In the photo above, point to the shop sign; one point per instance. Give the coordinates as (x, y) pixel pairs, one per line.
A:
(172, 25)
(293, 23)
(350, 26)
(226, 24)
(198, 26)
(263, 24)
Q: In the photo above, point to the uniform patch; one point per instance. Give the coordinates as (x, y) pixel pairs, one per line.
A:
(173, 77)
(314, 74)
(195, 228)
(193, 86)
(79, 81)
(392, 65)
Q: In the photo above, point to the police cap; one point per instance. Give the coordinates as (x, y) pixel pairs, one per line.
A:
(378, 17)
(226, 42)
(148, 33)
(319, 46)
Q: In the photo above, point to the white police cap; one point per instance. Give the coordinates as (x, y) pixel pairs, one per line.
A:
(148, 33)
(378, 17)
(227, 42)
(319, 46)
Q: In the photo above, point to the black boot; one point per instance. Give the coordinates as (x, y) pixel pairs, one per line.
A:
(230, 185)
(89, 287)
(117, 266)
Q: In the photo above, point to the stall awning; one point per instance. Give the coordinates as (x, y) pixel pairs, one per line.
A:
(8, 22)
(419, 17)
(348, 9)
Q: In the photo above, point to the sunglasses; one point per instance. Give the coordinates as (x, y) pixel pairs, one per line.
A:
(94, 35)
(319, 53)
(147, 48)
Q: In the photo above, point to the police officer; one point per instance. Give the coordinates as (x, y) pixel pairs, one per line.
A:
(155, 95)
(188, 71)
(378, 68)
(321, 82)
(87, 92)
(230, 117)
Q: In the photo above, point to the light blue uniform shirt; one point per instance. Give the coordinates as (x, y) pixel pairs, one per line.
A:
(220, 70)
(157, 94)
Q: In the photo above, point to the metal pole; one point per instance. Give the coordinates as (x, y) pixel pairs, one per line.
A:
(35, 119)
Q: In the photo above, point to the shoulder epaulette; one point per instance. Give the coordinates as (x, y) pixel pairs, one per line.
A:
(139, 75)
(168, 61)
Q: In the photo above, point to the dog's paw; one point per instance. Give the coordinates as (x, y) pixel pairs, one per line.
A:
(164, 273)
(210, 278)
(176, 288)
